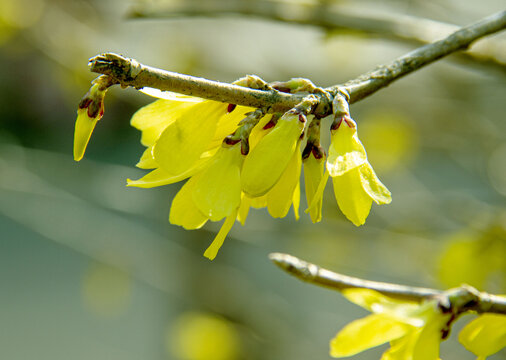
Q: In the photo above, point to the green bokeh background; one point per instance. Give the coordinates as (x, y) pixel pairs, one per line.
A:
(90, 269)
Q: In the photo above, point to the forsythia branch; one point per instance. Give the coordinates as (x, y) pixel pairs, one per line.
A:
(129, 72)
(459, 300)
(330, 16)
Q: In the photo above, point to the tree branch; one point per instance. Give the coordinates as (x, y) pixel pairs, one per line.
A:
(462, 299)
(129, 72)
(328, 16)
(374, 80)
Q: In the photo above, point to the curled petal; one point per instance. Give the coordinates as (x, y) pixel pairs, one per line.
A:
(373, 186)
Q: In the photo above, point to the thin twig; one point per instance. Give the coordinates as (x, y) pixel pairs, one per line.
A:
(129, 72)
(374, 80)
(329, 17)
(462, 299)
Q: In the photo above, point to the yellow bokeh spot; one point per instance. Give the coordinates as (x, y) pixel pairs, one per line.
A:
(106, 290)
(389, 139)
(202, 336)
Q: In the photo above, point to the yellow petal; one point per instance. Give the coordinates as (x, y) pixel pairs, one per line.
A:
(409, 312)
(317, 197)
(183, 211)
(243, 211)
(280, 197)
(152, 119)
(373, 186)
(266, 162)
(402, 348)
(215, 246)
(353, 201)
(296, 201)
(182, 143)
(160, 177)
(259, 202)
(346, 152)
(147, 161)
(228, 122)
(485, 335)
(82, 133)
(427, 345)
(366, 333)
(313, 173)
(259, 132)
(217, 192)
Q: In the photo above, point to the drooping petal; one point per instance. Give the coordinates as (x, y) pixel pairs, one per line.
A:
(183, 211)
(317, 197)
(82, 133)
(266, 162)
(352, 199)
(296, 201)
(215, 246)
(217, 191)
(373, 186)
(313, 174)
(243, 211)
(280, 197)
(485, 335)
(182, 143)
(346, 152)
(366, 333)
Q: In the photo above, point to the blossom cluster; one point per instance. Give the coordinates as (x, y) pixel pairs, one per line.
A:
(236, 158)
(414, 329)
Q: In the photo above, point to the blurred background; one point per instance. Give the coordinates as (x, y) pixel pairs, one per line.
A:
(90, 269)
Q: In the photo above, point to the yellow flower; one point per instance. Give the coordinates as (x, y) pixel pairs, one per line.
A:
(414, 330)
(181, 136)
(485, 335)
(265, 163)
(356, 185)
(90, 110)
(212, 194)
(314, 161)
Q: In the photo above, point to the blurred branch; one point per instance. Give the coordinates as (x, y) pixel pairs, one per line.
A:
(462, 299)
(410, 29)
(129, 72)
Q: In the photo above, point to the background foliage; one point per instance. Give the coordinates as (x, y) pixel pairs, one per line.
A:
(91, 269)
